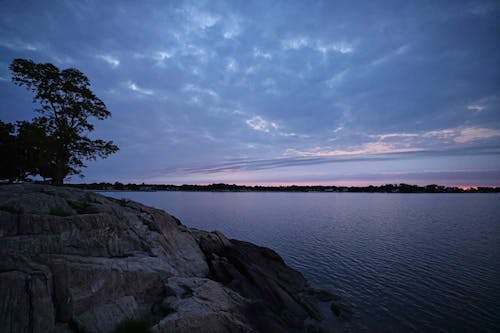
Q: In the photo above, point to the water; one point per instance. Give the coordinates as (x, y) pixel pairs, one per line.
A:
(404, 262)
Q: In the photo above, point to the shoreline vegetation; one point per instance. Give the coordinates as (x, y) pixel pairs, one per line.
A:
(221, 187)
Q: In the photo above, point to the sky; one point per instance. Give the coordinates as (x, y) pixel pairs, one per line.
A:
(275, 92)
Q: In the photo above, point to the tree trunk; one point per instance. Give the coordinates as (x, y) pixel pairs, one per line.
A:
(57, 181)
(58, 178)
(60, 169)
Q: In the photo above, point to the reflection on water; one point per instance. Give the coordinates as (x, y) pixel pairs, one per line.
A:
(405, 262)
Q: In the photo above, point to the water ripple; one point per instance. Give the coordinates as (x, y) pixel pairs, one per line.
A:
(404, 262)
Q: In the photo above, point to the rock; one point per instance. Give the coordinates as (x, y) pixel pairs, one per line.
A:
(76, 261)
(25, 295)
(260, 274)
(203, 305)
(323, 295)
(106, 317)
(341, 311)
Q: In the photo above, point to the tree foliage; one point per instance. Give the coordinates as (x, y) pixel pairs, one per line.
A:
(56, 143)
(9, 168)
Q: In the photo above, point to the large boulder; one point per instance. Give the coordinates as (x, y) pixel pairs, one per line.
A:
(203, 305)
(76, 261)
(282, 298)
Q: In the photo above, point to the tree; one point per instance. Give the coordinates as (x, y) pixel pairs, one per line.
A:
(10, 166)
(62, 128)
(36, 150)
(25, 149)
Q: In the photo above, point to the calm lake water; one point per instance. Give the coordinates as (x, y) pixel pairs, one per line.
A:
(404, 262)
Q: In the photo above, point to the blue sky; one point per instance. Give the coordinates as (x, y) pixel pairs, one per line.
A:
(276, 92)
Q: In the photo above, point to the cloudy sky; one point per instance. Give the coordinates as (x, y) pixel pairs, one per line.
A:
(276, 92)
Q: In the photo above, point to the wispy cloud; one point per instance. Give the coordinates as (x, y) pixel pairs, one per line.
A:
(396, 135)
(341, 47)
(18, 45)
(111, 60)
(258, 53)
(161, 56)
(370, 148)
(401, 142)
(299, 42)
(200, 19)
(293, 135)
(442, 133)
(251, 165)
(258, 123)
(336, 79)
(61, 59)
(470, 134)
(135, 88)
(182, 48)
(193, 88)
(476, 107)
(457, 135)
(39, 48)
(293, 160)
(483, 104)
(391, 55)
(295, 43)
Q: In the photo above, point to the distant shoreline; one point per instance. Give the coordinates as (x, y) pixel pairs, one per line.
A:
(214, 191)
(388, 188)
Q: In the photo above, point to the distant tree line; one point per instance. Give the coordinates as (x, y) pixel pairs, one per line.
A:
(389, 188)
(56, 143)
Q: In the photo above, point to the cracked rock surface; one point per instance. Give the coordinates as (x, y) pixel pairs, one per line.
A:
(76, 261)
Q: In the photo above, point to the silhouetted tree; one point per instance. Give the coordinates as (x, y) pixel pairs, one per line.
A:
(61, 130)
(10, 168)
(37, 151)
(26, 150)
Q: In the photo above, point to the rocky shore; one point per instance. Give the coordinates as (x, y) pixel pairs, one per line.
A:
(76, 261)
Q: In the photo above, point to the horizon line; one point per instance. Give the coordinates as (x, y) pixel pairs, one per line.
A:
(279, 184)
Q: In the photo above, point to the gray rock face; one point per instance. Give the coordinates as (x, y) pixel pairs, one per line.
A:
(76, 261)
(282, 298)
